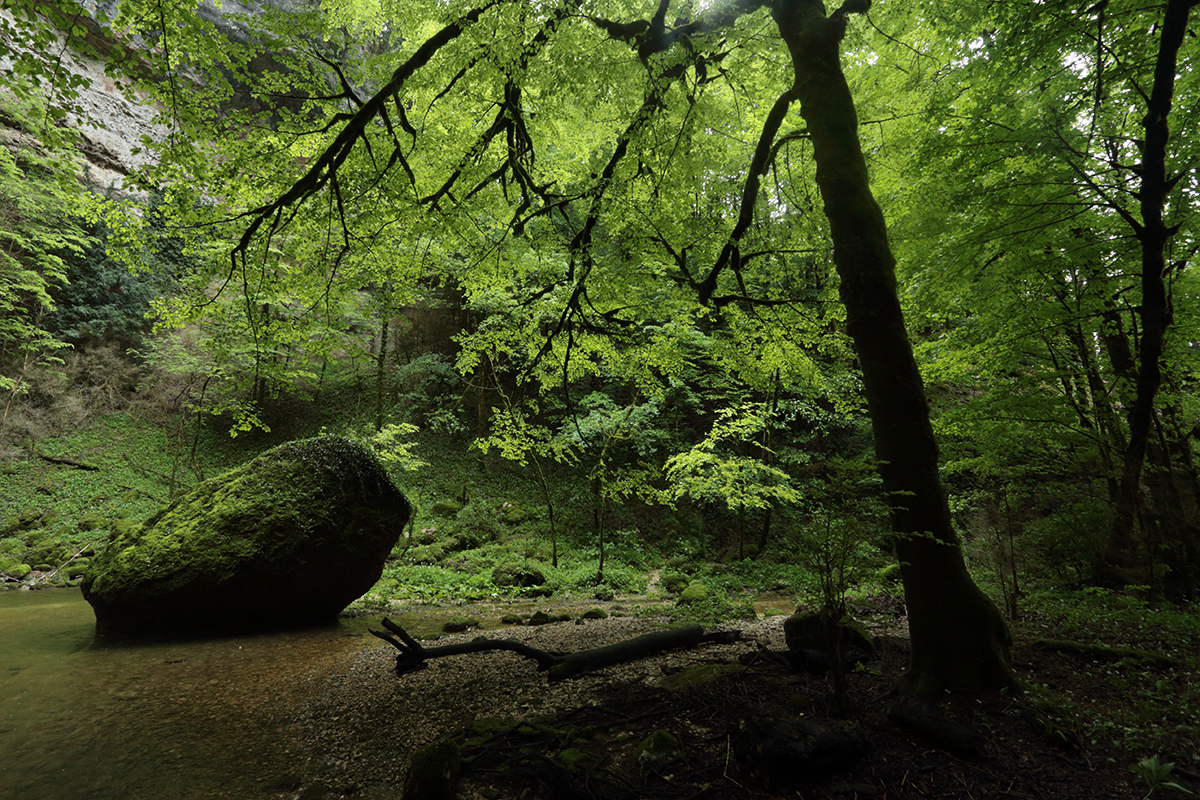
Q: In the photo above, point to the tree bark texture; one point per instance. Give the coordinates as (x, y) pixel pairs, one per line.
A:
(959, 639)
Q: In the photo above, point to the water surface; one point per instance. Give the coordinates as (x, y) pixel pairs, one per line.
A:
(88, 720)
(80, 719)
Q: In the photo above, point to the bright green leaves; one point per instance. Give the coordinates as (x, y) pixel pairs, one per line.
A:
(36, 232)
(516, 435)
(707, 473)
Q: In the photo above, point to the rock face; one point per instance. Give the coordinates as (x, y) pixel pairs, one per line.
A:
(289, 538)
(118, 118)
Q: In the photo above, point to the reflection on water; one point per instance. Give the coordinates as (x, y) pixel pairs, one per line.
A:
(177, 720)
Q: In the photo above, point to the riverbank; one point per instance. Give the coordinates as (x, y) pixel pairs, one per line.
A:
(321, 715)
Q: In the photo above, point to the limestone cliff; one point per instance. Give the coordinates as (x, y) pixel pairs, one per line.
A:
(114, 121)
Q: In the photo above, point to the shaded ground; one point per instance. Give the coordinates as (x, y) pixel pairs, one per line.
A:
(592, 752)
(523, 738)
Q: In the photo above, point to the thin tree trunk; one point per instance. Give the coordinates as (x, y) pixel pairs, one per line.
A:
(766, 454)
(1156, 314)
(546, 492)
(959, 638)
(381, 365)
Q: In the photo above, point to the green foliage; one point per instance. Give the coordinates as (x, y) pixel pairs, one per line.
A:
(1157, 775)
(102, 299)
(712, 608)
(434, 584)
(843, 532)
(394, 454)
(738, 482)
(36, 229)
(1159, 706)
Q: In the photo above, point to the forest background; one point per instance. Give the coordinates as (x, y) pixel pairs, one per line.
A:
(576, 268)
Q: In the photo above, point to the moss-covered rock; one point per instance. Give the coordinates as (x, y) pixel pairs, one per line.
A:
(513, 513)
(459, 624)
(522, 576)
(656, 748)
(289, 538)
(425, 554)
(14, 568)
(433, 773)
(695, 593)
(447, 509)
(675, 582)
(91, 521)
(809, 630)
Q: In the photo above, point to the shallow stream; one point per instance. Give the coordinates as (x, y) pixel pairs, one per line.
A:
(181, 720)
(175, 720)
(198, 719)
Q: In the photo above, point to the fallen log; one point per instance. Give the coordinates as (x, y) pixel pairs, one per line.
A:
(413, 655)
(67, 462)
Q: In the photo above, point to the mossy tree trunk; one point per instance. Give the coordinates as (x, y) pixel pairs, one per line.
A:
(959, 639)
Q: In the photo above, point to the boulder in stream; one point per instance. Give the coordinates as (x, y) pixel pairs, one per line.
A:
(289, 538)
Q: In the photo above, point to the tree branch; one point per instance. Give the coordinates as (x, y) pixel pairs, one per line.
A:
(559, 666)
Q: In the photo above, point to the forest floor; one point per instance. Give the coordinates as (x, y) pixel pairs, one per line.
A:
(1021, 762)
(590, 740)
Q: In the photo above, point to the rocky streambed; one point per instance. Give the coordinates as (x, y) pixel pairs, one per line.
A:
(315, 713)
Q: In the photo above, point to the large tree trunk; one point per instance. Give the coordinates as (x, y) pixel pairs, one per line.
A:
(959, 639)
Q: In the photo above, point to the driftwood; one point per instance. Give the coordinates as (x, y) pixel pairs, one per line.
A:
(413, 655)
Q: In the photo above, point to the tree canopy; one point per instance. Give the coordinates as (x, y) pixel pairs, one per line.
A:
(630, 200)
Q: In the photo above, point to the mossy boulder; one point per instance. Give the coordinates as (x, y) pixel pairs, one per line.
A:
(289, 538)
(656, 748)
(695, 593)
(459, 624)
(809, 630)
(14, 568)
(447, 509)
(675, 582)
(433, 773)
(523, 576)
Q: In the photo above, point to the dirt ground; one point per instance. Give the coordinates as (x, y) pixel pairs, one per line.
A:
(520, 737)
(1021, 762)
